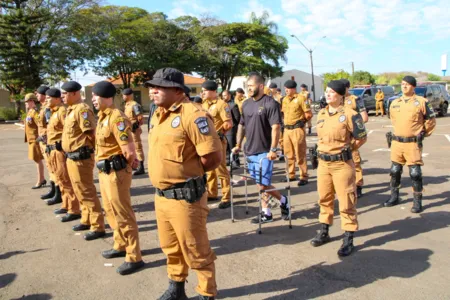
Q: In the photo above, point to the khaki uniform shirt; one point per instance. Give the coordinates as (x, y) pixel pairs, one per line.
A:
(355, 103)
(307, 96)
(42, 124)
(294, 109)
(178, 138)
(239, 102)
(113, 131)
(219, 110)
(278, 97)
(55, 126)
(412, 116)
(379, 96)
(133, 111)
(336, 131)
(80, 118)
(31, 125)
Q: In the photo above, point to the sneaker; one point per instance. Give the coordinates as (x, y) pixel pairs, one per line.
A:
(264, 219)
(223, 204)
(284, 211)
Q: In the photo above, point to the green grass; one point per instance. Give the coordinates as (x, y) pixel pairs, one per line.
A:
(8, 113)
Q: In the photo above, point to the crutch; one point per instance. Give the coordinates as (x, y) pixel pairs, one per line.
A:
(288, 188)
(232, 184)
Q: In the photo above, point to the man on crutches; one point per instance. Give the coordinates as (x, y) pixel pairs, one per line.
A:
(261, 115)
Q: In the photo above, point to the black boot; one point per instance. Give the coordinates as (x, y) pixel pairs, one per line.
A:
(57, 198)
(201, 297)
(417, 203)
(347, 246)
(359, 191)
(309, 130)
(322, 237)
(394, 199)
(140, 170)
(51, 192)
(396, 173)
(175, 291)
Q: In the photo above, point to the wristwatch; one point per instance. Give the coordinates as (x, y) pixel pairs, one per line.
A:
(273, 149)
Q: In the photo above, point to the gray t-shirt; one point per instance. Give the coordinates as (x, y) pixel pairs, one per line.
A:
(258, 118)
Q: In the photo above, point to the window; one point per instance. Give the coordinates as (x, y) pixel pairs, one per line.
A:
(193, 90)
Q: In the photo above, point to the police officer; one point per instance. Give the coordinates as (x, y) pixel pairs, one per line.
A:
(357, 104)
(304, 92)
(379, 98)
(275, 94)
(57, 158)
(115, 155)
(183, 144)
(44, 116)
(220, 112)
(337, 127)
(78, 142)
(240, 98)
(31, 135)
(296, 113)
(135, 114)
(231, 134)
(413, 119)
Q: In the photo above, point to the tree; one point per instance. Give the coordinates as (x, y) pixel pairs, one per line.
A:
(340, 74)
(381, 79)
(263, 20)
(433, 77)
(233, 49)
(363, 78)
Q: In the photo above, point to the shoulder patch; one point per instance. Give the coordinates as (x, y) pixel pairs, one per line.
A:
(123, 136)
(84, 113)
(120, 123)
(202, 124)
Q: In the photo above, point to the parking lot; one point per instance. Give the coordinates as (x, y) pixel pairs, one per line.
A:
(398, 255)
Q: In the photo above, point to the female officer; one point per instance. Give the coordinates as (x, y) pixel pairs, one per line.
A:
(336, 127)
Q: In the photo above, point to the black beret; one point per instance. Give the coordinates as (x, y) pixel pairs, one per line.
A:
(273, 86)
(290, 84)
(304, 86)
(104, 89)
(197, 99)
(55, 93)
(338, 86)
(42, 89)
(411, 80)
(71, 86)
(210, 85)
(127, 92)
(187, 90)
(346, 82)
(167, 77)
(278, 90)
(240, 90)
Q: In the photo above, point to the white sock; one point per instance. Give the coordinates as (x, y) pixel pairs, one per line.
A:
(266, 211)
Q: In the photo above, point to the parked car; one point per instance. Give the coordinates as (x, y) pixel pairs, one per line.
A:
(368, 94)
(436, 94)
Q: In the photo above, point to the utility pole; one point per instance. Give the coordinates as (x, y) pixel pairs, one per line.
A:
(353, 72)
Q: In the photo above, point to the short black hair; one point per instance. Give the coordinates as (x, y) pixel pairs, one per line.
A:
(258, 78)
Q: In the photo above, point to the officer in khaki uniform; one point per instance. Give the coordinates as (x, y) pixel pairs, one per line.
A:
(337, 126)
(274, 91)
(239, 98)
(135, 114)
(31, 135)
(379, 98)
(296, 113)
(44, 116)
(115, 155)
(413, 119)
(357, 104)
(57, 158)
(307, 95)
(183, 144)
(78, 142)
(220, 112)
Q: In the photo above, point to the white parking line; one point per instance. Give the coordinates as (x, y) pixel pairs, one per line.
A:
(382, 150)
(448, 137)
(370, 132)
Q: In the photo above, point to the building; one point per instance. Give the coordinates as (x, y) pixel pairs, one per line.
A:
(141, 93)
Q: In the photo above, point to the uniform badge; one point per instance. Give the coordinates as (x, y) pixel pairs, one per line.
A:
(84, 114)
(176, 122)
(123, 136)
(360, 124)
(120, 125)
(105, 123)
(227, 109)
(342, 119)
(202, 124)
(416, 103)
(349, 102)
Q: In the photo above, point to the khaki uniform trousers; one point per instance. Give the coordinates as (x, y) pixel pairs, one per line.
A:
(115, 191)
(379, 107)
(224, 176)
(358, 169)
(294, 144)
(81, 173)
(45, 155)
(57, 163)
(184, 240)
(138, 142)
(406, 153)
(338, 178)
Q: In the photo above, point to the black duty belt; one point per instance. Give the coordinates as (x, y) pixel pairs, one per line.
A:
(402, 139)
(81, 154)
(191, 190)
(115, 162)
(345, 155)
(299, 124)
(221, 135)
(56, 146)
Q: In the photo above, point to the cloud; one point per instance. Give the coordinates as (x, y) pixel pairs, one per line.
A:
(258, 8)
(192, 8)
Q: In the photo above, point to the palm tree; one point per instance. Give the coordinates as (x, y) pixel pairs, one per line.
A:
(263, 20)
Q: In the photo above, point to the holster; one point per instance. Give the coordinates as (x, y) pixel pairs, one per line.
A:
(134, 127)
(420, 139)
(191, 190)
(116, 163)
(221, 135)
(313, 157)
(389, 138)
(81, 154)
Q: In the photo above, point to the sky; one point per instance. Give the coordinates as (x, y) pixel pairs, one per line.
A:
(376, 35)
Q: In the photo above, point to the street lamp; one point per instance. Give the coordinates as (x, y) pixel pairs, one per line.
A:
(312, 67)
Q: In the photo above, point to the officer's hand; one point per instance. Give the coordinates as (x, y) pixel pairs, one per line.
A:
(272, 155)
(135, 164)
(236, 150)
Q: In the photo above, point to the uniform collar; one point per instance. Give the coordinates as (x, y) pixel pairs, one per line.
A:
(292, 97)
(403, 97)
(214, 101)
(55, 108)
(106, 112)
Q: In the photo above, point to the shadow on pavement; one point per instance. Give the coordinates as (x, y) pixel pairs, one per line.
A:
(12, 253)
(360, 269)
(35, 297)
(6, 279)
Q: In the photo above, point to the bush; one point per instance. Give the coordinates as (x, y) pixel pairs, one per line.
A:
(8, 113)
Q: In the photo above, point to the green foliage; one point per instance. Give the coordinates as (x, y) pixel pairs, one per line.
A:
(433, 77)
(381, 79)
(8, 113)
(363, 78)
(340, 74)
